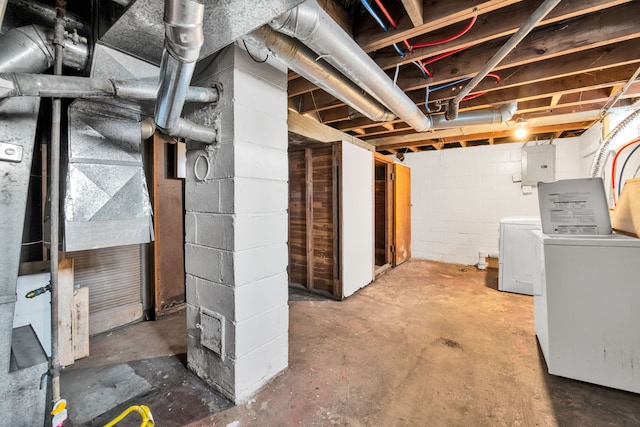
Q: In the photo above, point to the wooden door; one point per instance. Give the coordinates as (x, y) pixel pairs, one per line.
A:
(168, 213)
(313, 219)
(402, 214)
(383, 213)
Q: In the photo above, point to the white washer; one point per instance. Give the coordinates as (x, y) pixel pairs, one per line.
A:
(587, 308)
(516, 256)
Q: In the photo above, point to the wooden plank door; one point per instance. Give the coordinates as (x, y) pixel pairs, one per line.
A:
(168, 212)
(402, 214)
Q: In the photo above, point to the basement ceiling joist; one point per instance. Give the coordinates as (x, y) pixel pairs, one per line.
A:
(571, 63)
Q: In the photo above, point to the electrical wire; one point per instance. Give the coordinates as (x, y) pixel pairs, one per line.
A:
(259, 61)
(613, 168)
(624, 165)
(448, 39)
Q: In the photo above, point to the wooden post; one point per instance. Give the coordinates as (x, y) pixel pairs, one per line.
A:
(308, 157)
(65, 310)
(80, 323)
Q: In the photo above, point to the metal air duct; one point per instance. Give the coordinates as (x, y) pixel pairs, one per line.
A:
(183, 40)
(306, 63)
(29, 49)
(476, 118)
(315, 28)
(45, 85)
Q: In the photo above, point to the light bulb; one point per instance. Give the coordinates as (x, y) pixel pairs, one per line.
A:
(521, 132)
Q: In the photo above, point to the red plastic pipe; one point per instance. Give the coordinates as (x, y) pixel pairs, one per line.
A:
(448, 39)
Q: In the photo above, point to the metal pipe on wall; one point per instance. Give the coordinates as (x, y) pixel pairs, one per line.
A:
(540, 12)
(54, 202)
(46, 85)
(45, 13)
(306, 63)
(183, 39)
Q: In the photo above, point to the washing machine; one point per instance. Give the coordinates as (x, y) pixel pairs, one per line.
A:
(587, 307)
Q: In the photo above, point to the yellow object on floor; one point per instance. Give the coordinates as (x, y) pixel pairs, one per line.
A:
(145, 413)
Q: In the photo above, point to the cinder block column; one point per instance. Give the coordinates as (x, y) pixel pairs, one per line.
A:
(236, 230)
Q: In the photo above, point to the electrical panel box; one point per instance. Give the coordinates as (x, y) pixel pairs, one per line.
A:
(538, 164)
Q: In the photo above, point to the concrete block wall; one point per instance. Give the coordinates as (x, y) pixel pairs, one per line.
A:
(236, 229)
(459, 195)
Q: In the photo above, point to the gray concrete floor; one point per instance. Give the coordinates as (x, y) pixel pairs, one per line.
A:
(427, 344)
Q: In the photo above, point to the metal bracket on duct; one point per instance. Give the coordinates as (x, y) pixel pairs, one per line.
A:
(106, 201)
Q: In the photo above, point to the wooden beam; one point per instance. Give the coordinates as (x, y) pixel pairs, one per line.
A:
(80, 323)
(484, 135)
(577, 84)
(65, 310)
(415, 11)
(339, 14)
(554, 99)
(588, 61)
(305, 126)
(497, 24)
(615, 88)
(439, 14)
(536, 46)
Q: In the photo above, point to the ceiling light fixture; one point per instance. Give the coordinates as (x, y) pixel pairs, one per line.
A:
(521, 130)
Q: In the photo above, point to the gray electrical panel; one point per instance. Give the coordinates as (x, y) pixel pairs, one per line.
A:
(538, 164)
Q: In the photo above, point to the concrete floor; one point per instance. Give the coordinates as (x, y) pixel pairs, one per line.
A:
(427, 344)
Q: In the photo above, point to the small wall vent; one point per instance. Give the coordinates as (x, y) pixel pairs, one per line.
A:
(212, 331)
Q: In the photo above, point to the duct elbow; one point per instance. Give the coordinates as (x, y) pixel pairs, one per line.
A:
(183, 39)
(193, 131)
(507, 111)
(300, 22)
(25, 50)
(451, 112)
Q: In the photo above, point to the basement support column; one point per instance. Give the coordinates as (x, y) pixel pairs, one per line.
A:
(236, 228)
